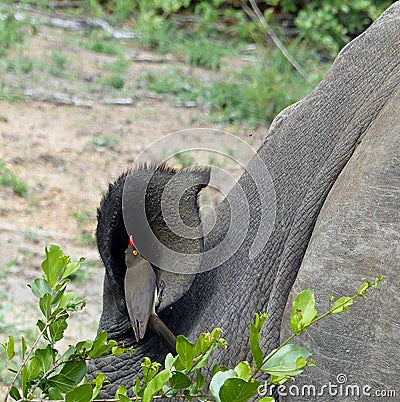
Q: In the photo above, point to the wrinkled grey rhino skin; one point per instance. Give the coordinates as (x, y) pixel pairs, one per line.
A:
(357, 236)
(305, 151)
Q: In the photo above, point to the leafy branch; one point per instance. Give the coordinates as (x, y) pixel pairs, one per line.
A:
(43, 372)
(182, 375)
(46, 374)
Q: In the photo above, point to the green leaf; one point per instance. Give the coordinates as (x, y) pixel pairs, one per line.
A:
(170, 361)
(121, 394)
(303, 311)
(33, 369)
(57, 329)
(98, 384)
(74, 370)
(46, 357)
(200, 382)
(10, 347)
(121, 391)
(363, 289)
(71, 268)
(179, 380)
(83, 393)
(217, 369)
(55, 394)
(186, 351)
(101, 345)
(243, 370)
(342, 305)
(155, 384)
(218, 381)
(40, 287)
(124, 398)
(255, 346)
(53, 264)
(137, 387)
(23, 347)
(267, 399)
(238, 390)
(260, 320)
(150, 369)
(14, 393)
(203, 343)
(45, 305)
(62, 382)
(289, 360)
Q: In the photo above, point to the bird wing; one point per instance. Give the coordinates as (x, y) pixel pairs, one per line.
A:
(140, 288)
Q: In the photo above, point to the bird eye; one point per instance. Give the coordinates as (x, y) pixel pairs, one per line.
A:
(135, 252)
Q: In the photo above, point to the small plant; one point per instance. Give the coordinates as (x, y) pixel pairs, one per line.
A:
(185, 159)
(58, 63)
(11, 33)
(182, 374)
(20, 65)
(82, 218)
(44, 372)
(9, 179)
(100, 43)
(114, 81)
(119, 66)
(203, 53)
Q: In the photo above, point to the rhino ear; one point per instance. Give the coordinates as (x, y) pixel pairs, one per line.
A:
(199, 177)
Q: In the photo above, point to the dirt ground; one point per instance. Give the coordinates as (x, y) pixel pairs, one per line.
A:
(67, 155)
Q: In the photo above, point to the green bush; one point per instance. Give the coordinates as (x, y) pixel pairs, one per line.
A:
(44, 373)
(329, 25)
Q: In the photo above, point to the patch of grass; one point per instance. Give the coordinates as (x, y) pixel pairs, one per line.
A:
(185, 159)
(103, 141)
(114, 81)
(20, 65)
(173, 81)
(8, 93)
(203, 53)
(83, 217)
(31, 235)
(257, 93)
(123, 9)
(100, 42)
(11, 33)
(58, 63)
(156, 32)
(7, 269)
(119, 66)
(9, 179)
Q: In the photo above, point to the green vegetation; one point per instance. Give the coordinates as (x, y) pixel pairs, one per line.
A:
(114, 81)
(248, 79)
(82, 218)
(41, 371)
(119, 66)
(11, 33)
(58, 63)
(330, 25)
(9, 179)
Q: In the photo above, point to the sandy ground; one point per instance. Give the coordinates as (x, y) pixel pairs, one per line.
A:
(67, 155)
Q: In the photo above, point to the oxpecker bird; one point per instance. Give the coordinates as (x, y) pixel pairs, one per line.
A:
(141, 296)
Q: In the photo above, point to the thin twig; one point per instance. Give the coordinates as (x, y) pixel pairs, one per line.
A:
(28, 355)
(256, 15)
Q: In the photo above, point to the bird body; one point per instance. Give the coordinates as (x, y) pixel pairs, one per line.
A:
(140, 291)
